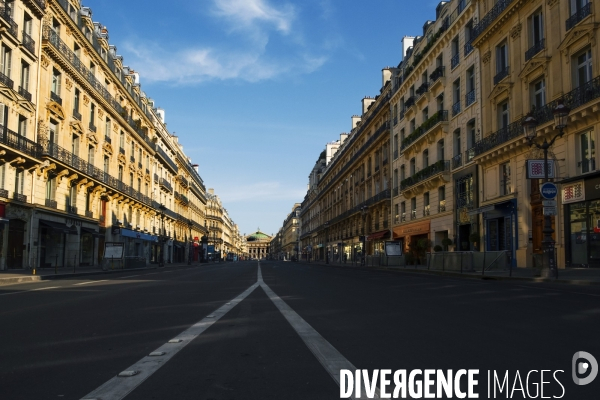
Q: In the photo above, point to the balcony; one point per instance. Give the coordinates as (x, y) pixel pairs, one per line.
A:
(468, 47)
(92, 127)
(457, 161)
(579, 16)
(184, 182)
(501, 75)
(5, 13)
(536, 48)
(39, 4)
(395, 192)
(77, 115)
(6, 81)
(165, 185)
(442, 206)
(121, 150)
(454, 61)
(51, 203)
(72, 210)
(409, 102)
(503, 135)
(490, 17)
(465, 200)
(107, 139)
(456, 109)
(4, 193)
(426, 126)
(425, 174)
(437, 73)
(25, 94)
(89, 214)
(163, 155)
(470, 98)
(422, 89)
(426, 210)
(19, 197)
(413, 214)
(55, 98)
(155, 178)
(403, 217)
(18, 142)
(28, 43)
(586, 165)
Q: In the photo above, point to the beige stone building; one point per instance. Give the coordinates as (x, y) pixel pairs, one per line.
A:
(258, 245)
(86, 155)
(291, 233)
(436, 113)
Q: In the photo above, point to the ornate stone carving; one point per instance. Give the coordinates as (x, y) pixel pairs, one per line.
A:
(43, 130)
(107, 149)
(45, 61)
(487, 56)
(68, 30)
(86, 99)
(68, 84)
(552, 3)
(515, 31)
(100, 113)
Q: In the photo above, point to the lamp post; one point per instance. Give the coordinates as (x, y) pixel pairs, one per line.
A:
(162, 236)
(560, 113)
(363, 211)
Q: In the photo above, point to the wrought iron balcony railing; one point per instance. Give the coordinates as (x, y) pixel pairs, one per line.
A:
(442, 206)
(536, 48)
(426, 173)
(166, 184)
(490, 17)
(465, 199)
(423, 88)
(6, 81)
(121, 150)
(6, 14)
(72, 209)
(501, 136)
(56, 98)
(579, 15)
(501, 75)
(25, 94)
(437, 73)
(457, 161)
(89, 214)
(455, 60)
(410, 102)
(107, 139)
(21, 143)
(28, 43)
(51, 203)
(468, 47)
(163, 155)
(155, 178)
(470, 98)
(456, 108)
(20, 197)
(586, 165)
(438, 117)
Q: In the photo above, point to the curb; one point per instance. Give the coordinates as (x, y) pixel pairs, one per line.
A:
(38, 278)
(581, 282)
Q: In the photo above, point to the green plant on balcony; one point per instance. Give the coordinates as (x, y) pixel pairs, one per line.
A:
(428, 124)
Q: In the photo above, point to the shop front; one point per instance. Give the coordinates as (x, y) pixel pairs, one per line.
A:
(411, 234)
(581, 204)
(376, 242)
(137, 246)
(53, 238)
(500, 228)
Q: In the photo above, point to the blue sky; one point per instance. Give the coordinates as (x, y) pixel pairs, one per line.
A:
(255, 88)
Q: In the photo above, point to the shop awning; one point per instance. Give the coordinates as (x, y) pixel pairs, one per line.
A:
(59, 227)
(92, 232)
(379, 235)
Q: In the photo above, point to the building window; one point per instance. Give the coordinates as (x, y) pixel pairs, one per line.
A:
(425, 158)
(25, 76)
(5, 60)
(75, 145)
(440, 148)
(441, 199)
(501, 62)
(413, 208)
(454, 61)
(583, 72)
(22, 128)
(536, 35)
(403, 211)
(395, 146)
(396, 214)
(587, 152)
(470, 97)
(56, 82)
(19, 181)
(106, 164)
(426, 204)
(120, 175)
(76, 101)
(505, 187)
(50, 188)
(122, 140)
(503, 116)
(91, 155)
(456, 97)
(402, 173)
(413, 166)
(538, 91)
(107, 127)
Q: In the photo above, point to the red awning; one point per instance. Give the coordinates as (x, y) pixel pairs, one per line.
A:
(379, 235)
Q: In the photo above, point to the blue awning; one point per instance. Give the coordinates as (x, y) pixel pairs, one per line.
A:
(138, 235)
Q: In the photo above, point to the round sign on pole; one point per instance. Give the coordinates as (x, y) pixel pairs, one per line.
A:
(549, 190)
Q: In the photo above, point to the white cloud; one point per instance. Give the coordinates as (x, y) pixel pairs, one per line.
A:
(247, 58)
(247, 13)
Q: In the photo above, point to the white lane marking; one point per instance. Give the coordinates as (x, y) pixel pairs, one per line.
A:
(130, 276)
(118, 387)
(329, 357)
(87, 283)
(32, 290)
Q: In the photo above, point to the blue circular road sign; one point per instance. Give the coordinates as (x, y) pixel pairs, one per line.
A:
(549, 190)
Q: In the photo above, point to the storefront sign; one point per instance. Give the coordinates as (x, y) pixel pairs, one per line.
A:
(535, 169)
(592, 188)
(573, 192)
(419, 228)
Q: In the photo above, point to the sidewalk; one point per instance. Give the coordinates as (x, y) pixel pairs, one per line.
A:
(9, 277)
(574, 276)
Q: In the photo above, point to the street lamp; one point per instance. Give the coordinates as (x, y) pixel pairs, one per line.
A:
(162, 237)
(363, 211)
(561, 113)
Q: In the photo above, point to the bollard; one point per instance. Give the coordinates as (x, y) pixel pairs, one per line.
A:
(112, 262)
(74, 258)
(56, 265)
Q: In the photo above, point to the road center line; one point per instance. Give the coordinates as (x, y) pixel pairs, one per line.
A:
(329, 357)
(32, 290)
(118, 387)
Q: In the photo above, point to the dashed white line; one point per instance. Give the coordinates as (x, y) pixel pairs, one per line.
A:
(119, 386)
(87, 283)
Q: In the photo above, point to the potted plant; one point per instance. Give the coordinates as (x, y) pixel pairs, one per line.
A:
(474, 238)
(447, 242)
(437, 248)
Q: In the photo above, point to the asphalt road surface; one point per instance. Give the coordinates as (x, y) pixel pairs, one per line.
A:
(283, 330)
